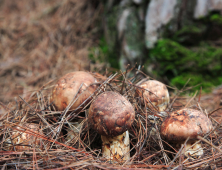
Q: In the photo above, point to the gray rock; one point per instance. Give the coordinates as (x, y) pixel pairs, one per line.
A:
(203, 7)
(159, 13)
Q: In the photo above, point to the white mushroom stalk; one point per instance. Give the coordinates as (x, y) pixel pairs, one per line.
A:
(111, 114)
(117, 147)
(193, 150)
(73, 130)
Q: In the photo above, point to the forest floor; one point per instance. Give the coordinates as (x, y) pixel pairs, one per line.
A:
(41, 40)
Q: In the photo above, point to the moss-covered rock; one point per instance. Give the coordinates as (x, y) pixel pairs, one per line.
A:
(178, 56)
(202, 64)
(132, 43)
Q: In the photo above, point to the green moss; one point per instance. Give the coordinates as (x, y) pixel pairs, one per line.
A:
(216, 18)
(103, 54)
(190, 29)
(133, 34)
(202, 64)
(97, 54)
(190, 34)
(193, 79)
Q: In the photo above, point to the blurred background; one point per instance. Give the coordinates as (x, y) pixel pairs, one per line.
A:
(176, 42)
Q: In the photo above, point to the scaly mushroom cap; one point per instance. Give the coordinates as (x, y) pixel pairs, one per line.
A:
(24, 141)
(156, 92)
(111, 114)
(67, 87)
(185, 123)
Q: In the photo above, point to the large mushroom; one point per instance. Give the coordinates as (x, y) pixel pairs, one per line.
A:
(184, 123)
(79, 85)
(111, 114)
(155, 92)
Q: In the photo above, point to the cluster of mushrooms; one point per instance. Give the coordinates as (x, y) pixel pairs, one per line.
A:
(111, 114)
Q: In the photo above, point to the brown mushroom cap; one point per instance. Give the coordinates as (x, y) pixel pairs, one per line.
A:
(156, 92)
(24, 141)
(67, 87)
(185, 123)
(111, 114)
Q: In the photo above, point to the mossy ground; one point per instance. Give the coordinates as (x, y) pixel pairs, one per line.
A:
(201, 65)
(192, 53)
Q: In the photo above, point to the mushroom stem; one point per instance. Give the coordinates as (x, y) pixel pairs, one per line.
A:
(73, 131)
(193, 151)
(117, 147)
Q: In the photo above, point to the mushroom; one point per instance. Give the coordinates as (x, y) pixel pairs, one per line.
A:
(184, 123)
(111, 114)
(77, 84)
(24, 141)
(73, 130)
(155, 92)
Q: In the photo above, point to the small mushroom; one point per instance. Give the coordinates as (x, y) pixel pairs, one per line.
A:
(155, 92)
(111, 114)
(25, 141)
(77, 84)
(184, 123)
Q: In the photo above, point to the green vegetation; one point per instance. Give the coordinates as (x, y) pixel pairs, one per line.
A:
(216, 18)
(107, 49)
(99, 53)
(180, 56)
(201, 65)
(190, 34)
(102, 53)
